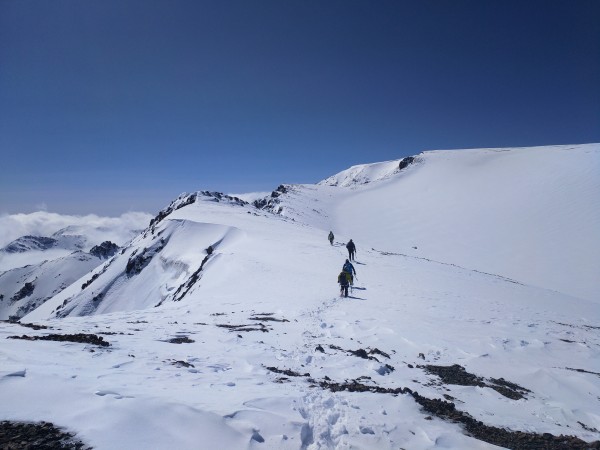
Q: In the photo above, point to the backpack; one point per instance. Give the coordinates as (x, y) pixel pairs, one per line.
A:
(343, 279)
(348, 267)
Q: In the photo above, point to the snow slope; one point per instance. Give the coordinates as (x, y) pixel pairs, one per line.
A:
(25, 288)
(530, 214)
(248, 338)
(35, 268)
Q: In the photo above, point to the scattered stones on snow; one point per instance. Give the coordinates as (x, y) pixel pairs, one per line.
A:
(268, 319)
(81, 338)
(457, 375)
(362, 353)
(37, 436)
(182, 364)
(181, 340)
(248, 327)
(288, 372)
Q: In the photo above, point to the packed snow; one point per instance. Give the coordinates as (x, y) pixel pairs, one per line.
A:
(227, 330)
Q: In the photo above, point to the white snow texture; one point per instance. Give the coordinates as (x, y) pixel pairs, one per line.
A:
(483, 258)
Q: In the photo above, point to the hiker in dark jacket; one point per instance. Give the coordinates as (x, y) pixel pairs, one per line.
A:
(343, 282)
(351, 249)
(350, 270)
(330, 237)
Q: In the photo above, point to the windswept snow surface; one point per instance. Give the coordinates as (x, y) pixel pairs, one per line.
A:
(266, 298)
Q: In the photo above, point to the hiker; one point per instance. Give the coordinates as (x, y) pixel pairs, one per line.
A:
(330, 237)
(343, 282)
(350, 270)
(351, 249)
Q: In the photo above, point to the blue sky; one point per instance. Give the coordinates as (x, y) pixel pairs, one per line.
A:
(110, 106)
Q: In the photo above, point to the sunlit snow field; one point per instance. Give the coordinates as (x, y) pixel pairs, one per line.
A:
(482, 258)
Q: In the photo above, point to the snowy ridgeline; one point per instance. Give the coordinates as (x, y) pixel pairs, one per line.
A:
(475, 308)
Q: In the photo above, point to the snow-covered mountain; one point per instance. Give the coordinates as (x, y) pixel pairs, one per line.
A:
(472, 322)
(27, 239)
(35, 268)
(25, 288)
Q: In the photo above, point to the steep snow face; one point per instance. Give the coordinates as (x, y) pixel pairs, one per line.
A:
(169, 261)
(25, 288)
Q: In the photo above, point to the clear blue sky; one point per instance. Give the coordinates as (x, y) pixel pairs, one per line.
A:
(108, 106)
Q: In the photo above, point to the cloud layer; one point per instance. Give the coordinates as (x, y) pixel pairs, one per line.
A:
(43, 223)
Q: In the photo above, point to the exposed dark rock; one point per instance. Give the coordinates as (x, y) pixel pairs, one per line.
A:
(137, 263)
(257, 437)
(319, 348)
(179, 202)
(181, 340)
(281, 189)
(90, 281)
(586, 428)
(105, 250)
(376, 351)
(362, 353)
(25, 291)
(582, 371)
(219, 196)
(37, 436)
(454, 374)
(288, 372)
(33, 326)
(457, 375)
(182, 364)
(357, 386)
(477, 429)
(271, 202)
(405, 162)
(268, 319)
(190, 282)
(500, 436)
(249, 327)
(447, 411)
(79, 338)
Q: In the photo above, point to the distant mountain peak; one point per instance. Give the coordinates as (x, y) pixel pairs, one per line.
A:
(367, 173)
(27, 243)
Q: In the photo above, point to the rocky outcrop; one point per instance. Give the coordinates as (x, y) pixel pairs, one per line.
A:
(105, 250)
(405, 162)
(137, 262)
(271, 202)
(25, 291)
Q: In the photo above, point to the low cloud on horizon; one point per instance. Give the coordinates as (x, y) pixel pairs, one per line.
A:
(44, 223)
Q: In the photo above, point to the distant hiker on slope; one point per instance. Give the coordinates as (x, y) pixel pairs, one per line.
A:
(350, 270)
(343, 282)
(330, 237)
(351, 249)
